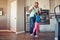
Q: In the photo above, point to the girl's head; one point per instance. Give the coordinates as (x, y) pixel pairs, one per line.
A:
(38, 13)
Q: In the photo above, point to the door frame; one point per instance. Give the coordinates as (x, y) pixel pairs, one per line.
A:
(14, 18)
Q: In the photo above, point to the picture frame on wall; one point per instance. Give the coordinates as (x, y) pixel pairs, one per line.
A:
(0, 13)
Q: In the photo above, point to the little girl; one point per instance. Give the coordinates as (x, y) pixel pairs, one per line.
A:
(37, 21)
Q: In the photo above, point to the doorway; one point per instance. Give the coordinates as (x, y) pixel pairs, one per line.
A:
(13, 16)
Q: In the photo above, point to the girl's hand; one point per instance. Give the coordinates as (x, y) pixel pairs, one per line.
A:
(32, 7)
(40, 10)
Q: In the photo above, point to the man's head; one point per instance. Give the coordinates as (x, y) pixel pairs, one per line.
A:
(36, 4)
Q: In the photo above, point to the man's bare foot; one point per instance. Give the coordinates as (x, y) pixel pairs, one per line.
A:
(31, 34)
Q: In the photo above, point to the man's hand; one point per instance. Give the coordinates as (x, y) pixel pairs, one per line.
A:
(31, 9)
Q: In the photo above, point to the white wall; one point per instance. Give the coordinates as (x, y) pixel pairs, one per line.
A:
(3, 18)
(42, 3)
(20, 15)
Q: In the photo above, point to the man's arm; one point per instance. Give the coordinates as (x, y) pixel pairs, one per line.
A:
(30, 9)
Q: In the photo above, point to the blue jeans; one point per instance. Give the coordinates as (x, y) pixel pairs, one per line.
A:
(58, 30)
(32, 22)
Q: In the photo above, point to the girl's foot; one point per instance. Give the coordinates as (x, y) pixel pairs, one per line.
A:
(36, 36)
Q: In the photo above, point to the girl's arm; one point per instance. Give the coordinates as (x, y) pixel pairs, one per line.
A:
(40, 10)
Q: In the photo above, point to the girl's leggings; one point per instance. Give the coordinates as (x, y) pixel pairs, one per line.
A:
(36, 28)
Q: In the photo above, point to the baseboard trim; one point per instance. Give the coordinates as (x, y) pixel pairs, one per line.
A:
(20, 32)
(56, 38)
(6, 31)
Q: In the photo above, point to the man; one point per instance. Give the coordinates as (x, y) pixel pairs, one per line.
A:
(32, 11)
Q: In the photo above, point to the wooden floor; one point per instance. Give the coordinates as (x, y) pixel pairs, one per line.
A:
(12, 36)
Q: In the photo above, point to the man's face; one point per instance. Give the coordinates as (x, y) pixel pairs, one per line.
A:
(36, 4)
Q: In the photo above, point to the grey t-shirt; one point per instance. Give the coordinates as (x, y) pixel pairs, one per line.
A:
(34, 11)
